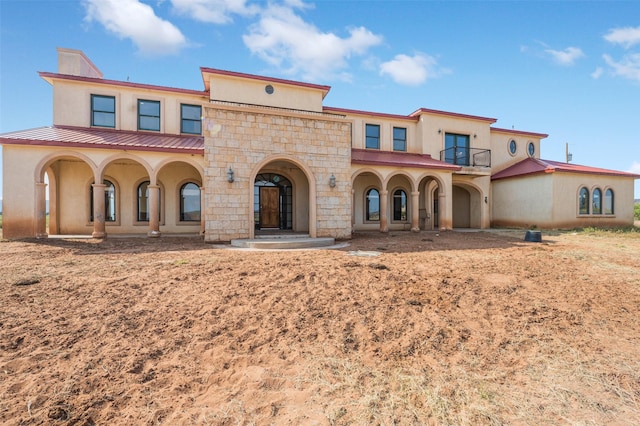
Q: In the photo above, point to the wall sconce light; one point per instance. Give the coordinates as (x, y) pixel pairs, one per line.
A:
(475, 136)
(439, 131)
(332, 181)
(486, 200)
(230, 175)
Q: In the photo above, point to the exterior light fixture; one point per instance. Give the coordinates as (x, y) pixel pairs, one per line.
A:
(439, 131)
(332, 181)
(486, 200)
(230, 175)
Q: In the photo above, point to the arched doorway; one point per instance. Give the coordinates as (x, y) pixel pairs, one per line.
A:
(272, 202)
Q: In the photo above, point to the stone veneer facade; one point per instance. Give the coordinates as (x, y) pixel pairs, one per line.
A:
(249, 139)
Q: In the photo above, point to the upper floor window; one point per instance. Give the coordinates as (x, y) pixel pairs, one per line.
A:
(596, 206)
(190, 202)
(531, 149)
(148, 115)
(190, 119)
(513, 147)
(399, 139)
(583, 201)
(372, 136)
(608, 201)
(456, 149)
(103, 111)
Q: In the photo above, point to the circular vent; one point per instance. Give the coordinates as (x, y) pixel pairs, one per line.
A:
(269, 89)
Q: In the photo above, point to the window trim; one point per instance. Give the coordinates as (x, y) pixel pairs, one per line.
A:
(366, 135)
(613, 202)
(94, 110)
(183, 119)
(393, 206)
(593, 202)
(467, 149)
(531, 147)
(180, 187)
(512, 142)
(365, 210)
(140, 115)
(404, 141)
(588, 201)
(136, 207)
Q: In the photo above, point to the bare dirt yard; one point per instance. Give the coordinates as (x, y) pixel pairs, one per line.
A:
(450, 328)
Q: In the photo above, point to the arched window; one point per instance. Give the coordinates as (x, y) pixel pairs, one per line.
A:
(596, 206)
(190, 202)
(583, 201)
(400, 205)
(143, 202)
(109, 202)
(373, 205)
(608, 202)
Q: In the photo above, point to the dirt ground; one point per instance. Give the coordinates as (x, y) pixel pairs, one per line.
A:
(450, 328)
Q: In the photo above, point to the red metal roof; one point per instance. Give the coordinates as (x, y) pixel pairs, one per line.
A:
(398, 159)
(531, 166)
(84, 137)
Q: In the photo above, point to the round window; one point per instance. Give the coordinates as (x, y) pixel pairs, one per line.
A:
(513, 147)
(269, 89)
(531, 148)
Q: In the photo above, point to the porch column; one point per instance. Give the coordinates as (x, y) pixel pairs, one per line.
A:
(154, 212)
(98, 211)
(415, 211)
(384, 222)
(41, 210)
(444, 216)
(353, 210)
(202, 221)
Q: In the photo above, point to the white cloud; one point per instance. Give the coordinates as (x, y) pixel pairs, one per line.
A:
(628, 67)
(566, 57)
(635, 168)
(627, 37)
(214, 11)
(597, 73)
(411, 70)
(285, 40)
(136, 21)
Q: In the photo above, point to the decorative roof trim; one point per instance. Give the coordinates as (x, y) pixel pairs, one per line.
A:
(519, 132)
(399, 159)
(369, 113)
(421, 111)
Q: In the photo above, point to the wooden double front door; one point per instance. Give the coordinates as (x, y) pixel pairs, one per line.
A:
(269, 207)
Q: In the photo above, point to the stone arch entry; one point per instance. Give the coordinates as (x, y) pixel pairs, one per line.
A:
(283, 197)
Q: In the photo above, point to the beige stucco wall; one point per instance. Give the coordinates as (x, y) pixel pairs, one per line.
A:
(551, 201)
(501, 158)
(73, 172)
(249, 140)
(72, 104)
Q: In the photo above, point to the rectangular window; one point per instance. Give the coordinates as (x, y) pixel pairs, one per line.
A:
(191, 119)
(399, 139)
(456, 149)
(148, 115)
(372, 136)
(103, 111)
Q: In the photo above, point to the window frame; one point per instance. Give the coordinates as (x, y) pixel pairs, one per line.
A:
(139, 221)
(584, 201)
(111, 193)
(397, 140)
(367, 209)
(184, 120)
(596, 209)
(465, 160)
(371, 138)
(181, 212)
(531, 149)
(514, 144)
(149, 116)
(95, 111)
(609, 194)
(395, 196)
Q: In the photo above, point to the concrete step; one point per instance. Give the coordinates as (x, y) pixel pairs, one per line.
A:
(280, 243)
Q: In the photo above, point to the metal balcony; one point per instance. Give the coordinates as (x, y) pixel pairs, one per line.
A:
(468, 157)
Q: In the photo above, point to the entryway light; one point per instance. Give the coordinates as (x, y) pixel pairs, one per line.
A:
(230, 175)
(332, 181)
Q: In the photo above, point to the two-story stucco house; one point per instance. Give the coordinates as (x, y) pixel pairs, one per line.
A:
(249, 153)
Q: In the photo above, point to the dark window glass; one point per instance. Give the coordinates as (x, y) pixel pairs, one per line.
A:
(373, 205)
(148, 115)
(372, 136)
(608, 202)
(400, 205)
(190, 119)
(190, 202)
(531, 148)
(583, 201)
(456, 149)
(103, 111)
(596, 207)
(399, 139)
(513, 147)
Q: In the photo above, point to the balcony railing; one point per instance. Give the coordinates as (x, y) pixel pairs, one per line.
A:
(474, 157)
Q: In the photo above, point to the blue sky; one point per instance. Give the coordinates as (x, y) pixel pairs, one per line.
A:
(570, 69)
